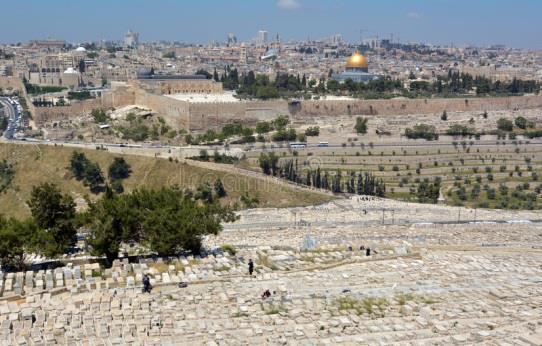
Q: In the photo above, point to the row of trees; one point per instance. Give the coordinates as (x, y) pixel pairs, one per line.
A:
(504, 125)
(34, 89)
(287, 85)
(360, 183)
(354, 183)
(247, 133)
(462, 83)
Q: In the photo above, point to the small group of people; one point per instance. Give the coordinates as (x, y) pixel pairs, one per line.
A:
(362, 248)
(267, 294)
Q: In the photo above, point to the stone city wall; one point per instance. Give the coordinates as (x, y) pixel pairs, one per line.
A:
(174, 112)
(414, 106)
(10, 83)
(205, 116)
(210, 115)
(110, 99)
(44, 114)
(215, 115)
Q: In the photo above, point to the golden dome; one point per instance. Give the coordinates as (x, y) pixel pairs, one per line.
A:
(357, 61)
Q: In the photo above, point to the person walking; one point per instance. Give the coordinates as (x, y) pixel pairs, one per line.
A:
(146, 284)
(250, 267)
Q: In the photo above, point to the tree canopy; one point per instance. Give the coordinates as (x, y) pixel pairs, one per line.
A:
(53, 212)
(166, 221)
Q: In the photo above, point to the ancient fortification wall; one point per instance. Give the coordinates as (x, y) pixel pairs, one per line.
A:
(44, 114)
(175, 112)
(113, 99)
(216, 115)
(10, 83)
(203, 116)
(415, 106)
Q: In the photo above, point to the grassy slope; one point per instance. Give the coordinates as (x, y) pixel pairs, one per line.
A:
(36, 164)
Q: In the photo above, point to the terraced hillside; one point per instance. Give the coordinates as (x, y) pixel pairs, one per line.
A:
(478, 173)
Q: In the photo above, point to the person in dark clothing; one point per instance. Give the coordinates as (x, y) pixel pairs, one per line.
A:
(146, 284)
(368, 251)
(266, 294)
(250, 267)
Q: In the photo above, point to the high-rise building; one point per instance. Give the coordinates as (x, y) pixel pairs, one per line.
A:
(131, 39)
(262, 37)
(336, 39)
(232, 39)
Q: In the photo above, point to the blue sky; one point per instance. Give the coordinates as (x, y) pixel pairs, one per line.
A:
(514, 22)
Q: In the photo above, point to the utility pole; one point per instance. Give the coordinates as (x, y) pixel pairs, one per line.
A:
(382, 216)
(458, 215)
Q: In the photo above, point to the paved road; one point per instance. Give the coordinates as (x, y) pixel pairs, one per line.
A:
(14, 118)
(388, 221)
(274, 147)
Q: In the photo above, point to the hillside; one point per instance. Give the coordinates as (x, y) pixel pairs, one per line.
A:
(35, 164)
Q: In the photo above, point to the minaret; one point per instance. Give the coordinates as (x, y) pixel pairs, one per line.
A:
(243, 57)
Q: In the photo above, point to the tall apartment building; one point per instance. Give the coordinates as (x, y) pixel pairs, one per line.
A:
(131, 39)
(262, 37)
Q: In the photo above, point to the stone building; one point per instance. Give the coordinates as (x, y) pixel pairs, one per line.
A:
(55, 70)
(176, 84)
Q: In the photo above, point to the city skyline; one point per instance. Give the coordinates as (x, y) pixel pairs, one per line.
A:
(443, 22)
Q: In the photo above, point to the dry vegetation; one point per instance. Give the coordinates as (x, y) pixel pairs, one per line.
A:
(35, 164)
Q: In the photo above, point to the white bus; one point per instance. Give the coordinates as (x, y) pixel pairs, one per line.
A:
(323, 144)
(298, 145)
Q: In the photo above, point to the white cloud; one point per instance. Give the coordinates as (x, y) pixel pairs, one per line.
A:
(413, 15)
(288, 4)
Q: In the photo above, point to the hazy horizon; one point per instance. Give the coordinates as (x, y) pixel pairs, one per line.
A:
(442, 22)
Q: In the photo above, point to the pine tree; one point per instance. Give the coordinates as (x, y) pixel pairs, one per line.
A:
(325, 181)
(219, 189)
(359, 189)
(336, 184)
(352, 185)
